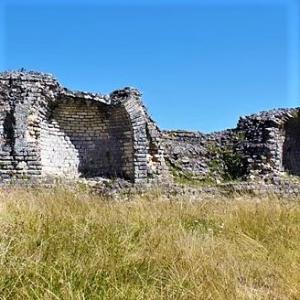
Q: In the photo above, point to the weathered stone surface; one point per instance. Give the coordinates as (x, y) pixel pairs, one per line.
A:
(49, 131)
(200, 155)
(266, 144)
(271, 143)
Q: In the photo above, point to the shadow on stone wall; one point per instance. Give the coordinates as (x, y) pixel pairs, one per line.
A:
(291, 146)
(87, 139)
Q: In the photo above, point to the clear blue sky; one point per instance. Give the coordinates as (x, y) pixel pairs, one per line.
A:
(200, 64)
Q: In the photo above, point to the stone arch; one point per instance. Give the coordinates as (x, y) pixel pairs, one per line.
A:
(136, 115)
(148, 159)
(291, 146)
(86, 138)
(50, 131)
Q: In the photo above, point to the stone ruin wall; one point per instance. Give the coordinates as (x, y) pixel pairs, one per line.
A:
(272, 142)
(47, 131)
(267, 145)
(198, 155)
(83, 137)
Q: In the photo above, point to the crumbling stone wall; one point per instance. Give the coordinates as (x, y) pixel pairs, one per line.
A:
(20, 100)
(148, 158)
(271, 142)
(291, 146)
(205, 156)
(264, 145)
(49, 131)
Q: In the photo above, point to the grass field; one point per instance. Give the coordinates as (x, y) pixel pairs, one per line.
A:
(57, 244)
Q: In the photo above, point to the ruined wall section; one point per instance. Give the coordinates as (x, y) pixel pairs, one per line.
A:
(22, 98)
(266, 135)
(49, 131)
(262, 146)
(7, 127)
(291, 146)
(201, 156)
(148, 159)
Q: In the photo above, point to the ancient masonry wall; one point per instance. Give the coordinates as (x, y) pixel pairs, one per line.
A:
(47, 131)
(272, 142)
(197, 154)
(265, 145)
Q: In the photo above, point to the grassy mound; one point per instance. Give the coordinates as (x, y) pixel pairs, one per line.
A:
(57, 244)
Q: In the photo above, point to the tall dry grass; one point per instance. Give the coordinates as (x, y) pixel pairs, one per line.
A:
(56, 244)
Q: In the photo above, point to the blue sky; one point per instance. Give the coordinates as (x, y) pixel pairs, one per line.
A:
(200, 64)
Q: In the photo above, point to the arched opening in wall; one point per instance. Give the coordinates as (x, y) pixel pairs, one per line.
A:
(291, 146)
(85, 138)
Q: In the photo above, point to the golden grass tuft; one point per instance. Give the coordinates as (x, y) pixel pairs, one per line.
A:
(57, 244)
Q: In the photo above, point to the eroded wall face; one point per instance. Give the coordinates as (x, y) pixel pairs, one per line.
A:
(87, 139)
(291, 147)
(7, 121)
(19, 154)
(47, 131)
